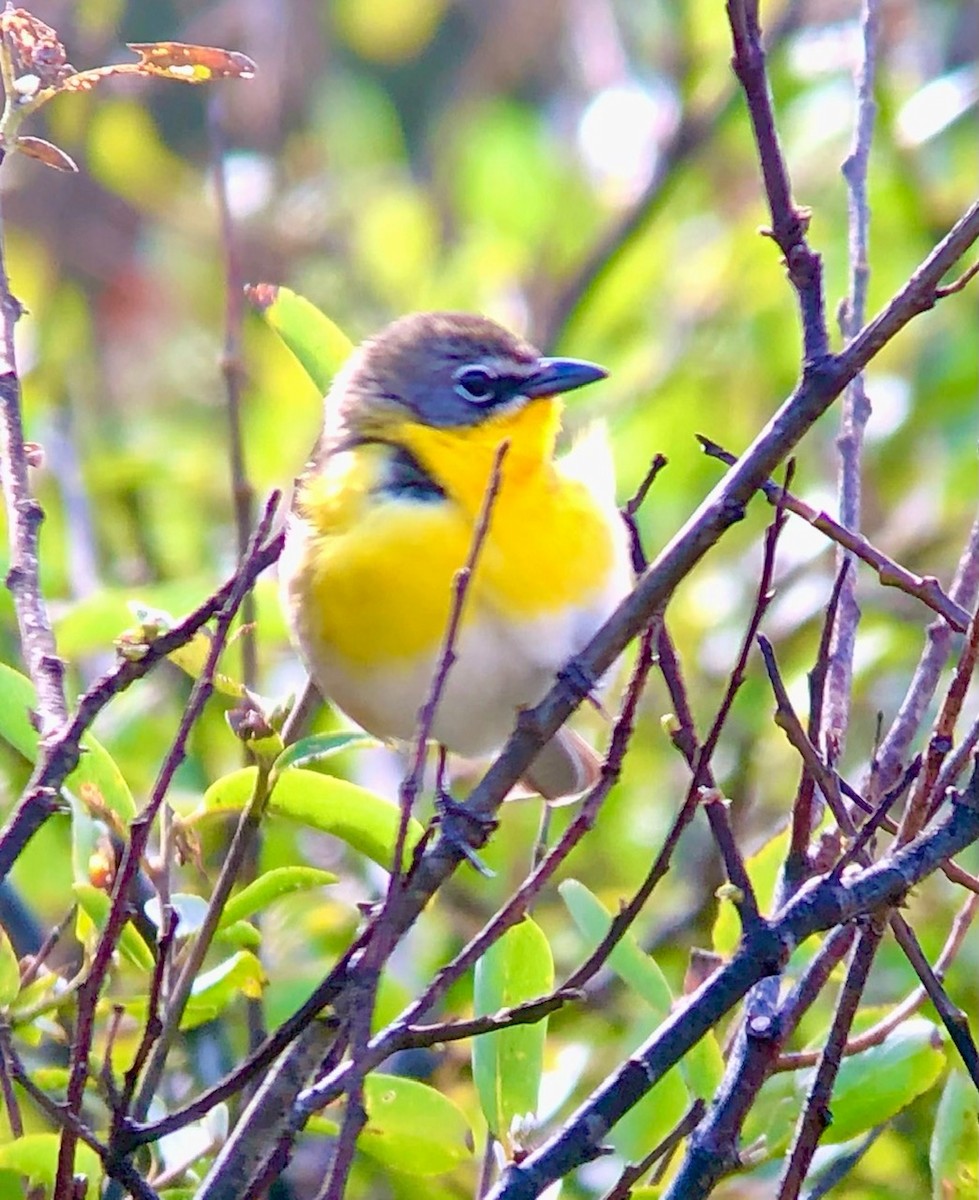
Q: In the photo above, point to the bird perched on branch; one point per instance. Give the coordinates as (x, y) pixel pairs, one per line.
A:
(384, 517)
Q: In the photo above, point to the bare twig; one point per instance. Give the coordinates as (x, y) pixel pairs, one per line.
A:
(880, 1031)
(411, 784)
(243, 494)
(815, 1115)
(855, 411)
(60, 753)
(91, 988)
(925, 588)
(904, 729)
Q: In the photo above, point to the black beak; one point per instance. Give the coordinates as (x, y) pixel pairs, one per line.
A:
(554, 375)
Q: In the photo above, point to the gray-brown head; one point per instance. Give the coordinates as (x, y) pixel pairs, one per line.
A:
(445, 369)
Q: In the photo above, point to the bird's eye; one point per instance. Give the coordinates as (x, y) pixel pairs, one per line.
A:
(476, 383)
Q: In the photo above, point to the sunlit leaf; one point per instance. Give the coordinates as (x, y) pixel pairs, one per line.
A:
(359, 817)
(954, 1153)
(36, 1156)
(412, 1127)
(96, 774)
(167, 60)
(508, 1063)
(874, 1085)
(703, 1065)
(763, 869)
(191, 657)
(269, 886)
(318, 747)
(319, 345)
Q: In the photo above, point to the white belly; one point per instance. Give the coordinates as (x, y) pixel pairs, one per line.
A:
(499, 669)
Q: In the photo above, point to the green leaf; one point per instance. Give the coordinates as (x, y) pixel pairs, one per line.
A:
(36, 1156)
(954, 1153)
(507, 1064)
(215, 990)
(874, 1085)
(240, 934)
(319, 747)
(93, 912)
(9, 971)
(412, 1127)
(357, 816)
(628, 960)
(96, 779)
(320, 346)
(703, 1065)
(280, 881)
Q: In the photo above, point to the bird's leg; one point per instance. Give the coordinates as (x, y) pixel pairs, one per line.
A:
(457, 821)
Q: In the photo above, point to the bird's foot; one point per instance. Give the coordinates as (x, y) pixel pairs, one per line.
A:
(457, 823)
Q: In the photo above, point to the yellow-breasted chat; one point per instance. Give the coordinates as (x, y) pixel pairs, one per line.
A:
(384, 515)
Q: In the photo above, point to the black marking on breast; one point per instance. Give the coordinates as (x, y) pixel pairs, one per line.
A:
(404, 478)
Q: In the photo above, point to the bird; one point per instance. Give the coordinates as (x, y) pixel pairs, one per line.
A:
(383, 516)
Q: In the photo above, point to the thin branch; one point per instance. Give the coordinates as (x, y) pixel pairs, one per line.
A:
(952, 1017)
(245, 833)
(232, 369)
(893, 749)
(60, 753)
(815, 1115)
(855, 410)
(942, 738)
(632, 1174)
(411, 784)
(787, 720)
(890, 573)
(24, 517)
(879, 1032)
(90, 990)
(789, 222)
(823, 905)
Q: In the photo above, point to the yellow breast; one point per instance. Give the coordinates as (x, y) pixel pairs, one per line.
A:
(375, 579)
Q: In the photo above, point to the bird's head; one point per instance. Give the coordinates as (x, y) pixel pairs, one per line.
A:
(446, 371)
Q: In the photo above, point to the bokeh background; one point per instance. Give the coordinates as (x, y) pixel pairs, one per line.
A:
(582, 170)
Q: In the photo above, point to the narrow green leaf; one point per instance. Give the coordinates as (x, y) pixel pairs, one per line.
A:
(321, 746)
(9, 971)
(280, 881)
(954, 1152)
(36, 1156)
(320, 346)
(508, 1063)
(96, 779)
(412, 1127)
(357, 816)
(628, 960)
(93, 912)
(703, 1065)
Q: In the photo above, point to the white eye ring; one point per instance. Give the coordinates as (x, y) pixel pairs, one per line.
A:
(476, 383)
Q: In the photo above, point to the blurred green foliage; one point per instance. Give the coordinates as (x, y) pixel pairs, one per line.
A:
(406, 154)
